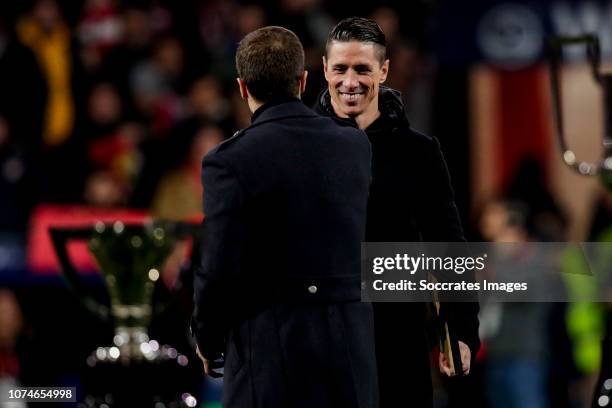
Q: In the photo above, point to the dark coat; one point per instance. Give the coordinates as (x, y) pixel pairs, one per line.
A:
(411, 200)
(279, 287)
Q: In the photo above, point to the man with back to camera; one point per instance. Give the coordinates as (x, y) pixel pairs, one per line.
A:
(278, 290)
(411, 199)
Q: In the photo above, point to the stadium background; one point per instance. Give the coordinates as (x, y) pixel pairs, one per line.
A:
(111, 104)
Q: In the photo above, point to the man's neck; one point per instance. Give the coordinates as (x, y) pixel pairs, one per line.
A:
(254, 104)
(366, 119)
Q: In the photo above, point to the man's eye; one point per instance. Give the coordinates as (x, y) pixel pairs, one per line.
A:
(339, 69)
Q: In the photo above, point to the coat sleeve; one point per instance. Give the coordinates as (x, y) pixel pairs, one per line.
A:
(222, 249)
(439, 222)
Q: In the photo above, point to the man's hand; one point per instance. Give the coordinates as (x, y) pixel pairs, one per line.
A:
(466, 356)
(210, 365)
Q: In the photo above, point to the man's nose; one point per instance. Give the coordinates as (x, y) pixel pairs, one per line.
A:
(350, 80)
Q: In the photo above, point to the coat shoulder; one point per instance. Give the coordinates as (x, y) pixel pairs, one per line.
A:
(409, 134)
(222, 149)
(347, 127)
(230, 142)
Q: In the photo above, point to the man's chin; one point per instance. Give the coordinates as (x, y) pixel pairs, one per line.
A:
(350, 111)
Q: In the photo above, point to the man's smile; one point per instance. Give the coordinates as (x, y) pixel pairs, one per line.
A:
(351, 96)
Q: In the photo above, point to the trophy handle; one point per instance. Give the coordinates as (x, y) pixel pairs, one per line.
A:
(591, 43)
(60, 238)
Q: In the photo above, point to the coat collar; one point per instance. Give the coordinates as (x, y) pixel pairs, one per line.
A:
(281, 109)
(390, 104)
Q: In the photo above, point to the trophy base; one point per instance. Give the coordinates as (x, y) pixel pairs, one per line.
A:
(138, 372)
(132, 344)
(155, 384)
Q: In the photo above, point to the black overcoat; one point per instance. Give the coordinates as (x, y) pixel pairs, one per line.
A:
(279, 287)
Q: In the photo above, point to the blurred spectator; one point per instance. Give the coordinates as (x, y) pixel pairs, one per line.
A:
(112, 144)
(589, 324)
(504, 221)
(22, 100)
(182, 19)
(45, 32)
(515, 333)
(133, 48)
(110, 147)
(179, 194)
(307, 19)
(156, 83)
(103, 190)
(250, 18)
(216, 26)
(311, 23)
(388, 20)
(18, 189)
(161, 19)
(546, 221)
(104, 111)
(206, 102)
(99, 30)
(120, 152)
(11, 326)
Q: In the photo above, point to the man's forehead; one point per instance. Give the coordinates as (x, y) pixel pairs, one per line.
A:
(352, 49)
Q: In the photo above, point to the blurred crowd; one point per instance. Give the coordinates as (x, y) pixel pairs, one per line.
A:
(114, 103)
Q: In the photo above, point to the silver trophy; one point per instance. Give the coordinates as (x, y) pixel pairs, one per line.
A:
(130, 258)
(602, 168)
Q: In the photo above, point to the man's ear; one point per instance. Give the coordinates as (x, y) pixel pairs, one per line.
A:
(303, 82)
(384, 71)
(244, 92)
(325, 67)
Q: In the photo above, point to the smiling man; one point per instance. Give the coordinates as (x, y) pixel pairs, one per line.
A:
(355, 66)
(410, 200)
